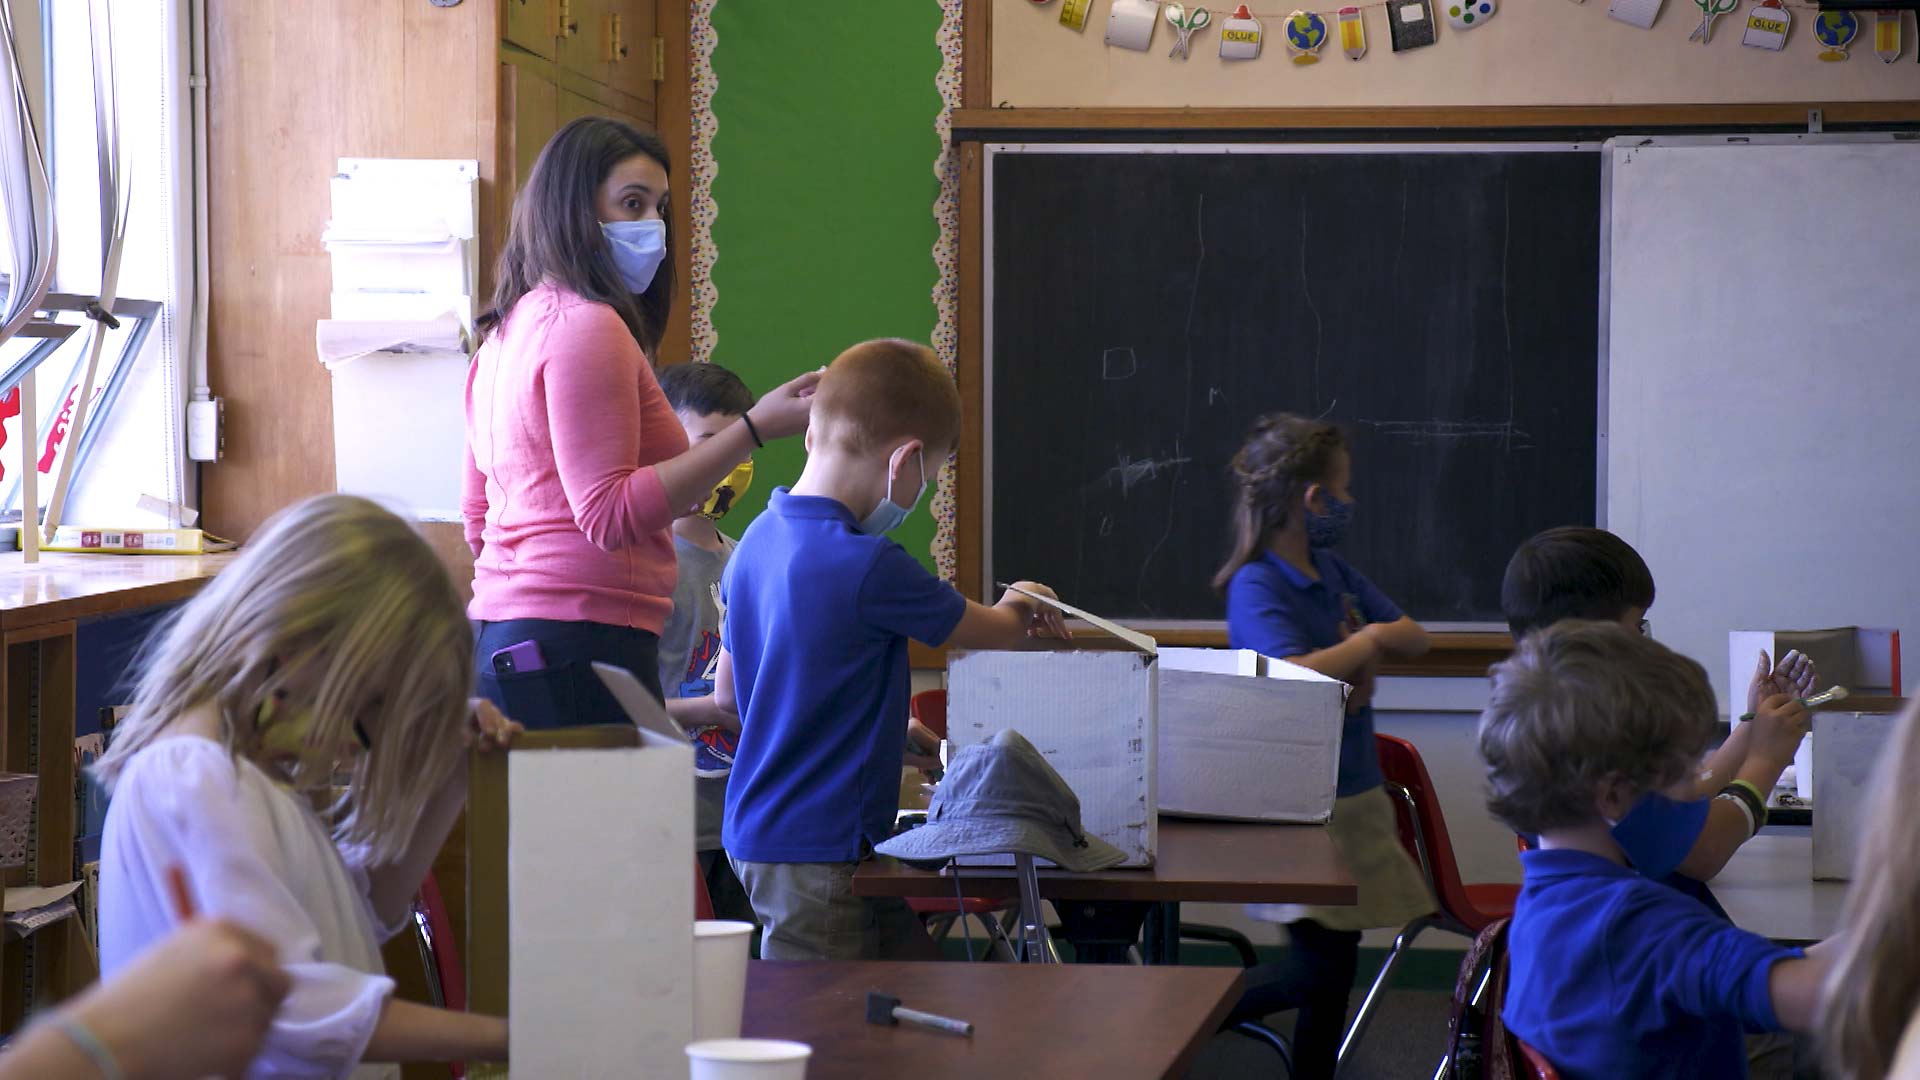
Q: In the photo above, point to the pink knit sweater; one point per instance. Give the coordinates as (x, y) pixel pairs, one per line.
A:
(565, 515)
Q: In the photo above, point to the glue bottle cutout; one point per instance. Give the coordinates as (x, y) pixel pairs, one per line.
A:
(1240, 36)
(1306, 32)
(1130, 24)
(1073, 13)
(1640, 13)
(1467, 14)
(1353, 33)
(1886, 36)
(1768, 23)
(1410, 24)
(1836, 30)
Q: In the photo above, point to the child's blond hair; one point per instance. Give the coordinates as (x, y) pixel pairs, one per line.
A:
(881, 392)
(343, 592)
(1580, 703)
(1872, 988)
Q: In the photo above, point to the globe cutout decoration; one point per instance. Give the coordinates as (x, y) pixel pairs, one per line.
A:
(1306, 33)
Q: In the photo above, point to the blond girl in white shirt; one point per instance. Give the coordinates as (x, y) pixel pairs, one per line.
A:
(334, 648)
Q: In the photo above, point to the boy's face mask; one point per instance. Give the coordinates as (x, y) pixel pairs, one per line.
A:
(887, 516)
(724, 497)
(1658, 832)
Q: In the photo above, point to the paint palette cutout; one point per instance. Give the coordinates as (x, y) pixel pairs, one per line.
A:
(1467, 14)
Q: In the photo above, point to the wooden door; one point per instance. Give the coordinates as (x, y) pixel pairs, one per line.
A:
(630, 65)
(582, 45)
(530, 25)
(536, 116)
(574, 106)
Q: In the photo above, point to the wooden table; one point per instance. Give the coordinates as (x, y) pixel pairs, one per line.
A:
(41, 606)
(1029, 1019)
(1198, 861)
(1768, 888)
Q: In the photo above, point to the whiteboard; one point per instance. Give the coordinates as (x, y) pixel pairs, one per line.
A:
(1762, 347)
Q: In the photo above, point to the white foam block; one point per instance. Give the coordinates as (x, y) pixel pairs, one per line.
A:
(1091, 714)
(600, 967)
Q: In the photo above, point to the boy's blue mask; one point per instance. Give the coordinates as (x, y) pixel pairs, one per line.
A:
(1658, 832)
(638, 249)
(889, 514)
(1328, 529)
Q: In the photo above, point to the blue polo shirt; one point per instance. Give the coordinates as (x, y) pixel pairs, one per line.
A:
(1613, 975)
(1277, 611)
(817, 620)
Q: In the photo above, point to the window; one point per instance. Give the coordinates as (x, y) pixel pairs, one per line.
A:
(131, 444)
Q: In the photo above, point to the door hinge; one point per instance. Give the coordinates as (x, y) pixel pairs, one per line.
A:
(659, 59)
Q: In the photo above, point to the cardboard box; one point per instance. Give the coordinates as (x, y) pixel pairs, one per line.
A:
(1245, 737)
(1845, 757)
(600, 976)
(1093, 716)
(1865, 661)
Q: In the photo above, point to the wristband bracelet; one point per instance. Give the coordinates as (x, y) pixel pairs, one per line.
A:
(1750, 798)
(90, 1045)
(1752, 825)
(753, 431)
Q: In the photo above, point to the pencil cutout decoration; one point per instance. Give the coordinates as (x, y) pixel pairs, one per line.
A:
(1353, 33)
(1886, 36)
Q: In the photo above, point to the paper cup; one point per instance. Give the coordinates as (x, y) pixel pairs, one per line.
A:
(720, 951)
(749, 1059)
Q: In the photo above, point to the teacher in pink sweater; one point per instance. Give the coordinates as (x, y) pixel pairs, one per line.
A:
(575, 464)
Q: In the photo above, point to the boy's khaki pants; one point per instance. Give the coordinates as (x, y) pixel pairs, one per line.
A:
(808, 912)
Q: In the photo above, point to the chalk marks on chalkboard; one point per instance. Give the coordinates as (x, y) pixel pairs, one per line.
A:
(1128, 474)
(1439, 431)
(1117, 364)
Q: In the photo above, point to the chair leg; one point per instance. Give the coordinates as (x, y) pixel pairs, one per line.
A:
(1259, 1032)
(1379, 988)
(1224, 936)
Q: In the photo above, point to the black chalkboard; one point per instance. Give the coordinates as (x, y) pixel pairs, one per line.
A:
(1147, 306)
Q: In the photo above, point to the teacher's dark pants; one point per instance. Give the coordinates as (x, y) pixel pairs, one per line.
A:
(565, 692)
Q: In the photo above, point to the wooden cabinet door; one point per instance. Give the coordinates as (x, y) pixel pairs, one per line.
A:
(582, 45)
(630, 53)
(530, 25)
(536, 116)
(574, 106)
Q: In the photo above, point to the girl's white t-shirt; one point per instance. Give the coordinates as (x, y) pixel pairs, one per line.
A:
(258, 855)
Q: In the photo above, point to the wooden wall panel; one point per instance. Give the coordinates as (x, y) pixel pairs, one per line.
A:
(293, 88)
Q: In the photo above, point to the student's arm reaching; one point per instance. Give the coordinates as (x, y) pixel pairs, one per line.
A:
(694, 713)
(723, 700)
(1795, 987)
(1010, 623)
(1401, 639)
(1777, 728)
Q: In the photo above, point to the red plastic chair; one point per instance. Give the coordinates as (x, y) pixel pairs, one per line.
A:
(1464, 909)
(930, 708)
(1538, 1067)
(440, 954)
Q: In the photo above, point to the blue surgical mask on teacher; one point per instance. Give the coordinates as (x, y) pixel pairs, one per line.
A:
(889, 514)
(638, 248)
(1328, 529)
(1658, 832)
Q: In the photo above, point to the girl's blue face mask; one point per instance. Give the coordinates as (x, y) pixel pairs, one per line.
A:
(1328, 529)
(1658, 832)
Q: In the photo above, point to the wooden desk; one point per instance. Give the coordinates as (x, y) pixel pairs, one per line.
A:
(1199, 861)
(40, 608)
(1768, 888)
(1029, 1019)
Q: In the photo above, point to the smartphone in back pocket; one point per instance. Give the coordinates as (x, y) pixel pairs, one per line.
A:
(519, 659)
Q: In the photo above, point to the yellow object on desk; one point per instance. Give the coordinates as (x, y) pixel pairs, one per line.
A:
(89, 541)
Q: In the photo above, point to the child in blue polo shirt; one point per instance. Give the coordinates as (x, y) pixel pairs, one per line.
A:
(1684, 837)
(819, 607)
(1613, 975)
(1289, 596)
